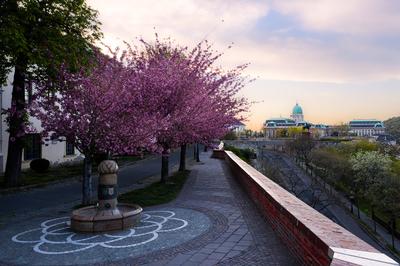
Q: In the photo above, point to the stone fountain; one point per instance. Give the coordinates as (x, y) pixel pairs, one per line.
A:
(108, 215)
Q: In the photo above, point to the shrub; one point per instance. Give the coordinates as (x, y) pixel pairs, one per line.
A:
(244, 154)
(40, 165)
(99, 157)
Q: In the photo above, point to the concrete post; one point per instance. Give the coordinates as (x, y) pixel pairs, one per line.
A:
(108, 189)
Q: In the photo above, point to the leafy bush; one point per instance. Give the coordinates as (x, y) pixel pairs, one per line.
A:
(351, 148)
(230, 136)
(244, 154)
(39, 165)
(99, 157)
(393, 127)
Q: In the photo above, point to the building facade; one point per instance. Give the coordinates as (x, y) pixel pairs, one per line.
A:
(366, 127)
(297, 114)
(55, 151)
(238, 127)
(276, 127)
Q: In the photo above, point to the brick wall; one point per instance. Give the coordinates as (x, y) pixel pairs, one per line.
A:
(309, 235)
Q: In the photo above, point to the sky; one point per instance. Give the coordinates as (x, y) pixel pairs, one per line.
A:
(339, 60)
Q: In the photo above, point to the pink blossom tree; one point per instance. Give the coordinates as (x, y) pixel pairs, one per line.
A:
(196, 100)
(99, 112)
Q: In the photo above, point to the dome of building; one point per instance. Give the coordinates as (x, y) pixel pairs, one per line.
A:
(297, 110)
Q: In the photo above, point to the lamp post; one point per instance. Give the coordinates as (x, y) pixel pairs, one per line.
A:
(351, 201)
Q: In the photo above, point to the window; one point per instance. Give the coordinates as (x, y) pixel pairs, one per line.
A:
(69, 148)
(54, 139)
(28, 92)
(33, 147)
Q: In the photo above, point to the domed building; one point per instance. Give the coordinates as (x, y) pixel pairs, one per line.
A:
(276, 127)
(297, 114)
(283, 127)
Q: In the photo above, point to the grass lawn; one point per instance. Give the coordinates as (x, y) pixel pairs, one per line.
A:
(63, 171)
(30, 177)
(157, 193)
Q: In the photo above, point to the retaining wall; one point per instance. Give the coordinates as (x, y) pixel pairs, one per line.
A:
(311, 237)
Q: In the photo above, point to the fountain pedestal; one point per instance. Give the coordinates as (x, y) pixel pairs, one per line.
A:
(108, 215)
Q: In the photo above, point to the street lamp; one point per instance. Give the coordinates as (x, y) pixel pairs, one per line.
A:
(351, 200)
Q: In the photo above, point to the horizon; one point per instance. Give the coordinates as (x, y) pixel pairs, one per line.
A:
(338, 61)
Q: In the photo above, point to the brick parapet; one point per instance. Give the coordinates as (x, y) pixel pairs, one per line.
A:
(313, 238)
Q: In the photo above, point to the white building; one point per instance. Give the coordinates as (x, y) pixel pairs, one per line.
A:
(36, 147)
(366, 127)
(238, 128)
(273, 126)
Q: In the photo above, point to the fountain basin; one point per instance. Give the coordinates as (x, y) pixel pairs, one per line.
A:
(93, 219)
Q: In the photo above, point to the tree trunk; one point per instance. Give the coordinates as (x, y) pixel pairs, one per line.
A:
(164, 166)
(358, 209)
(351, 207)
(393, 230)
(16, 128)
(373, 217)
(197, 152)
(87, 182)
(194, 151)
(182, 162)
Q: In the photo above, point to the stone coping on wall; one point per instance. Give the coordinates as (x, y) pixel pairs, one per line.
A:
(338, 245)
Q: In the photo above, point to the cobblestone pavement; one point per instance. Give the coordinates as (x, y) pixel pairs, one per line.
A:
(211, 222)
(243, 237)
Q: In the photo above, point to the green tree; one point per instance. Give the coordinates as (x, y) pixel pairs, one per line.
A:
(393, 127)
(385, 194)
(343, 130)
(231, 135)
(36, 37)
(333, 165)
(370, 168)
(353, 147)
(293, 132)
(396, 168)
(281, 133)
(302, 147)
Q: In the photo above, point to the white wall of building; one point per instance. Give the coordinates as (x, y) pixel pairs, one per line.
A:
(367, 132)
(54, 152)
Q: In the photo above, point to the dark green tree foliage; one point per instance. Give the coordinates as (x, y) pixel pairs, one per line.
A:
(302, 147)
(36, 37)
(393, 127)
(244, 154)
(231, 135)
(331, 165)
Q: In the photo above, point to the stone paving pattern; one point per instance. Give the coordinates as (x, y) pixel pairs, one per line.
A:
(247, 239)
(236, 234)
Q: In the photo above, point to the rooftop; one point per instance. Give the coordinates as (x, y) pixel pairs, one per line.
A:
(297, 110)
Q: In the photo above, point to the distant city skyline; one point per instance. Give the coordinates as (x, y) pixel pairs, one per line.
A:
(340, 61)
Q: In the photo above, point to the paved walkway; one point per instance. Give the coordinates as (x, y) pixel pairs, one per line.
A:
(211, 222)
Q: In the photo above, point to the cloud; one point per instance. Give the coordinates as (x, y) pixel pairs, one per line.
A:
(185, 20)
(345, 44)
(364, 17)
(325, 40)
